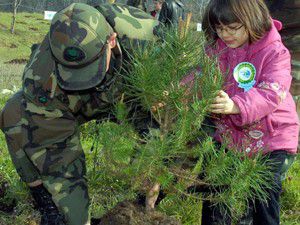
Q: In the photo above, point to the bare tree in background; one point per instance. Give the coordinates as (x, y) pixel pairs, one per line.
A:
(196, 7)
(16, 4)
(41, 4)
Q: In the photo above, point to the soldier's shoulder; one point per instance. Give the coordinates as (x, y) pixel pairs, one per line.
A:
(129, 22)
(122, 12)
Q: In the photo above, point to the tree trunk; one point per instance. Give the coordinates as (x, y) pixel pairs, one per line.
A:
(16, 4)
(12, 29)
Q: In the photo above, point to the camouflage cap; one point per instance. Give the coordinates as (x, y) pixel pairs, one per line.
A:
(78, 36)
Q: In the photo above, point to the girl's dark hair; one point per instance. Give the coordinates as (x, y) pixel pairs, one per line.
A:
(253, 14)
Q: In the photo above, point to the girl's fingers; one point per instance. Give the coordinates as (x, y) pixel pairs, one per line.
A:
(222, 94)
(217, 106)
(219, 100)
(217, 111)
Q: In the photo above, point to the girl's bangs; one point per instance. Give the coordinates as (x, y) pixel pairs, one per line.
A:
(222, 13)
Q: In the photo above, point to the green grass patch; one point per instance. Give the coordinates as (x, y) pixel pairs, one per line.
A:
(30, 28)
(10, 76)
(290, 198)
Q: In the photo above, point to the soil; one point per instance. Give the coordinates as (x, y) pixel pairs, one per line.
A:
(13, 46)
(130, 213)
(33, 28)
(21, 22)
(17, 61)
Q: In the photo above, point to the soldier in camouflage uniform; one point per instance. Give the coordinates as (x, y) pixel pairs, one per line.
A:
(70, 79)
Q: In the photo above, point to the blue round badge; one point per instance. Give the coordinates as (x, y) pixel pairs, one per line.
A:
(244, 73)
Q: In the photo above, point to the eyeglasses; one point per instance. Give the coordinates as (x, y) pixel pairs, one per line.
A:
(229, 30)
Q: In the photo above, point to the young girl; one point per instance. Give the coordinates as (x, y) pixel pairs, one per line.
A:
(255, 108)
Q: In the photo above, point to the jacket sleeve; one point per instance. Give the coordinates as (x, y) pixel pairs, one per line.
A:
(272, 88)
(164, 15)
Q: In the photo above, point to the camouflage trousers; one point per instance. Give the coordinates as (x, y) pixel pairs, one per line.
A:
(48, 150)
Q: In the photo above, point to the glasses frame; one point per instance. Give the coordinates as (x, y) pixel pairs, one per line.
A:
(231, 31)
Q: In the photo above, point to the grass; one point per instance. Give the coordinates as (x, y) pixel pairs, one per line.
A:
(10, 76)
(290, 198)
(30, 29)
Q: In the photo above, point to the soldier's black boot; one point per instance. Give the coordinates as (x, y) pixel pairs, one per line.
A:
(49, 212)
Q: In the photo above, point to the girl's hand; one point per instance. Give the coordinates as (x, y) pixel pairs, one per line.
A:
(223, 104)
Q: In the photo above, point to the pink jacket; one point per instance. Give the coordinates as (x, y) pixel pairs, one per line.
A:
(268, 120)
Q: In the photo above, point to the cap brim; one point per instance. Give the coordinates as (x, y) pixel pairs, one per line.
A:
(83, 78)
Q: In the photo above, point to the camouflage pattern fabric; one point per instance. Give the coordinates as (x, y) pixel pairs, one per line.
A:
(41, 122)
(78, 41)
(132, 25)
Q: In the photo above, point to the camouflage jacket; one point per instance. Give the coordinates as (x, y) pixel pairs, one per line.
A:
(44, 96)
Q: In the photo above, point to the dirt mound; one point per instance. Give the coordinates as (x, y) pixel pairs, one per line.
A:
(17, 61)
(129, 213)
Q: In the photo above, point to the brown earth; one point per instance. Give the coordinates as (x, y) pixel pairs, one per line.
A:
(21, 22)
(33, 28)
(130, 213)
(17, 61)
(13, 46)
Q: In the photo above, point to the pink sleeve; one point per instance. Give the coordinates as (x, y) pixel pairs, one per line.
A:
(272, 87)
(189, 78)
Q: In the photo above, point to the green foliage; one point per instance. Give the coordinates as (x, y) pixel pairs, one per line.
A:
(290, 198)
(187, 209)
(159, 69)
(242, 178)
(179, 154)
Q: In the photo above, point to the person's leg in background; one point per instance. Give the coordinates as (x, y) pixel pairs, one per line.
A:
(268, 213)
